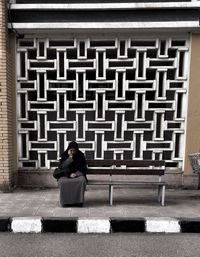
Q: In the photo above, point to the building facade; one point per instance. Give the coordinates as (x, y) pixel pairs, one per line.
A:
(120, 78)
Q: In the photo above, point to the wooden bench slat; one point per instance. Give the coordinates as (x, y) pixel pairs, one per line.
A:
(128, 163)
(140, 163)
(158, 172)
(91, 182)
(101, 163)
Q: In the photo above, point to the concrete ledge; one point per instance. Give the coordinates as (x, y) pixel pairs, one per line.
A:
(35, 178)
(99, 225)
(44, 178)
(104, 6)
(191, 181)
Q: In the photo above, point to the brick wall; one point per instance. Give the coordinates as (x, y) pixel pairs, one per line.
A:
(193, 115)
(8, 160)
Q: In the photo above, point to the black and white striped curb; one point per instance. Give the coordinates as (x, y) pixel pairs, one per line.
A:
(99, 225)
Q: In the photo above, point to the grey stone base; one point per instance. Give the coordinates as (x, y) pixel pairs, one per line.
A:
(191, 181)
(44, 178)
(38, 178)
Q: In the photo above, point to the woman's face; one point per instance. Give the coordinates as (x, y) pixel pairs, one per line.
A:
(72, 151)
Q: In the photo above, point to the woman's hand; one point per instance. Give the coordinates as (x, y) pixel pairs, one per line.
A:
(72, 175)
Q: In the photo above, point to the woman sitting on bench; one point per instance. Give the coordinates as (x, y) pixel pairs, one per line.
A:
(73, 185)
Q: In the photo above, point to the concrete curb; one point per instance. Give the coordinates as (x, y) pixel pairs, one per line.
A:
(59, 225)
(127, 225)
(26, 225)
(99, 225)
(5, 224)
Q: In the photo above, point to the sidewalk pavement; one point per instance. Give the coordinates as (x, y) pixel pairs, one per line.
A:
(135, 205)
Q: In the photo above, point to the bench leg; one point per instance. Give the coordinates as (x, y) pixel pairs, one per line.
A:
(163, 196)
(111, 194)
(159, 193)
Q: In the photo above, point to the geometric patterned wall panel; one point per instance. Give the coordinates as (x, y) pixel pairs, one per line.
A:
(119, 98)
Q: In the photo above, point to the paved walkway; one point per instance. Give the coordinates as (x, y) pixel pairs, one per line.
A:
(128, 202)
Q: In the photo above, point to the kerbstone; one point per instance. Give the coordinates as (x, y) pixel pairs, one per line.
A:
(190, 225)
(4, 224)
(59, 225)
(127, 225)
(26, 225)
(93, 226)
(165, 225)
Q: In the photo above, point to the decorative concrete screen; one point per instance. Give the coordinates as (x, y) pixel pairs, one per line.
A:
(121, 98)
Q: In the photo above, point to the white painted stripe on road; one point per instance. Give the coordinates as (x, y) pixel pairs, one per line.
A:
(166, 225)
(93, 226)
(26, 225)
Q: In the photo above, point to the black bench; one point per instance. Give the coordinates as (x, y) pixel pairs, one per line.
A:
(127, 167)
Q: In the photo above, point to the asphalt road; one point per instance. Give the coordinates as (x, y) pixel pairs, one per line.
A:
(99, 245)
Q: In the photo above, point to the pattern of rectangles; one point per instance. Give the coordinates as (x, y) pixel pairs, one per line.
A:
(121, 98)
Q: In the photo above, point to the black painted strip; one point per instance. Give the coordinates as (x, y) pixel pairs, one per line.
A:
(190, 225)
(59, 225)
(93, 1)
(103, 15)
(127, 225)
(4, 224)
